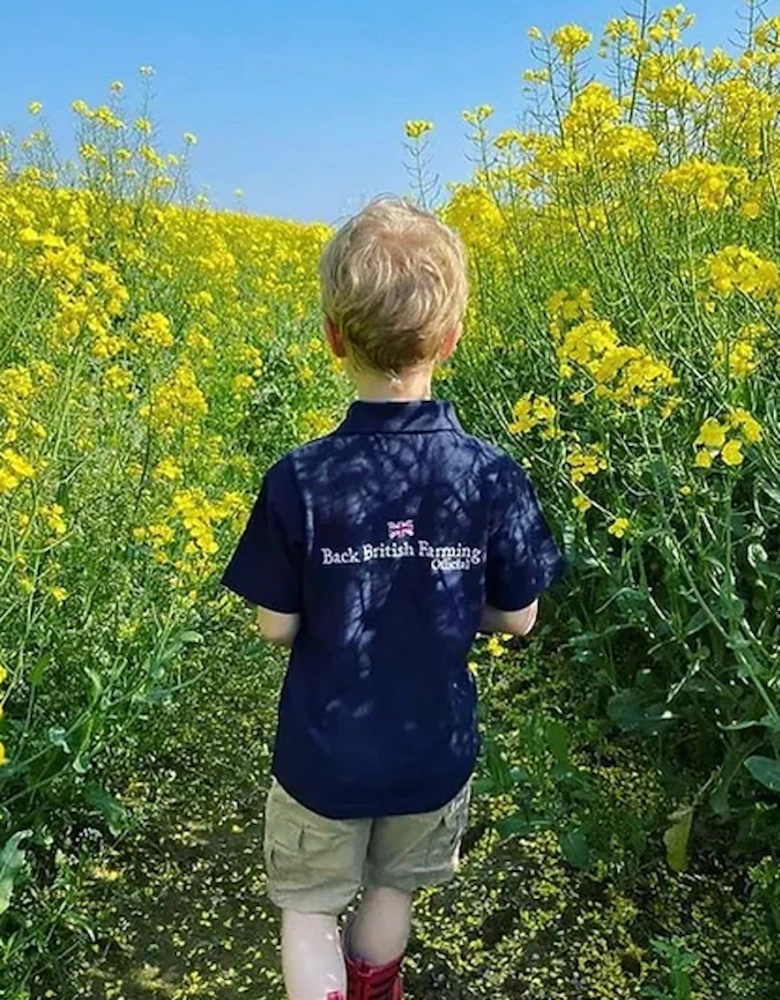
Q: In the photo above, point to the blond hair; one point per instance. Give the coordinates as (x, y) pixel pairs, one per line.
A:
(394, 282)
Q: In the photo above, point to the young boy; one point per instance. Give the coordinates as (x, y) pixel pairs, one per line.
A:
(377, 553)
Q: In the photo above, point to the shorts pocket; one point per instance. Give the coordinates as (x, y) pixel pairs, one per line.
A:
(444, 851)
(284, 859)
(283, 835)
(303, 849)
(330, 852)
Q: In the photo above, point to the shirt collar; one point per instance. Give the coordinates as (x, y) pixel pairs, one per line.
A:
(416, 417)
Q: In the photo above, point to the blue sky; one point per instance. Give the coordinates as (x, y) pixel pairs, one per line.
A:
(299, 103)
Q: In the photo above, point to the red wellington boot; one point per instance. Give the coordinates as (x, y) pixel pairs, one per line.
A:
(371, 982)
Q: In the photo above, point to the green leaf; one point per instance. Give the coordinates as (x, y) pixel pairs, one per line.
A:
(497, 766)
(631, 710)
(39, 668)
(731, 767)
(517, 826)
(700, 620)
(676, 838)
(558, 741)
(96, 683)
(766, 771)
(575, 848)
(771, 491)
(731, 608)
(11, 862)
(482, 786)
(110, 808)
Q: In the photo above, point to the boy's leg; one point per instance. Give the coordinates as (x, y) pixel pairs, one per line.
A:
(405, 853)
(379, 933)
(312, 960)
(314, 867)
(375, 943)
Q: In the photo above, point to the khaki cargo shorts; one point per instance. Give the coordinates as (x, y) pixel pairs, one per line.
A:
(317, 865)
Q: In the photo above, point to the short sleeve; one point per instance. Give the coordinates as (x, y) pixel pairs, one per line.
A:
(266, 567)
(523, 559)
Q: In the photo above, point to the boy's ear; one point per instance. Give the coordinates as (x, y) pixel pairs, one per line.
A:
(450, 343)
(335, 338)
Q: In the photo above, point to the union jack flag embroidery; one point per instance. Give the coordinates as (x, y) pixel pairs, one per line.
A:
(400, 529)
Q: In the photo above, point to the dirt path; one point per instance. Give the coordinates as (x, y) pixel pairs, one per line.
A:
(180, 904)
(180, 911)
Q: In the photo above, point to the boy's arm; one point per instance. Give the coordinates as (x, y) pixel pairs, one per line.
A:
(522, 556)
(267, 564)
(511, 622)
(278, 628)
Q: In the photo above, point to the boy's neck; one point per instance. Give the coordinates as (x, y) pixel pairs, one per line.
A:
(378, 388)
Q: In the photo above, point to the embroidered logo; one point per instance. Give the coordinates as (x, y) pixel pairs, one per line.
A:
(400, 529)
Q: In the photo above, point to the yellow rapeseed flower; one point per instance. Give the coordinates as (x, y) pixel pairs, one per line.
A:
(619, 527)
(585, 462)
(718, 62)
(736, 268)
(154, 328)
(196, 340)
(13, 469)
(670, 407)
(315, 423)
(731, 452)
(417, 129)
(745, 422)
(494, 646)
(177, 401)
(242, 384)
(657, 33)
(54, 519)
(570, 40)
(479, 115)
(570, 304)
(117, 377)
(531, 411)
(712, 434)
(168, 469)
(712, 185)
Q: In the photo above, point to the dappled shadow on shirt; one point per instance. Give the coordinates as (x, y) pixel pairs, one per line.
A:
(403, 539)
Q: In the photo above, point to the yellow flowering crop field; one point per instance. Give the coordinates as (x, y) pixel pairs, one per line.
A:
(623, 341)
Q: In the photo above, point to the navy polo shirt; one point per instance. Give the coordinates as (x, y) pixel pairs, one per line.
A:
(388, 537)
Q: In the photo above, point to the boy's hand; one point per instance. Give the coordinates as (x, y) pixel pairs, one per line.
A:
(278, 628)
(512, 622)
